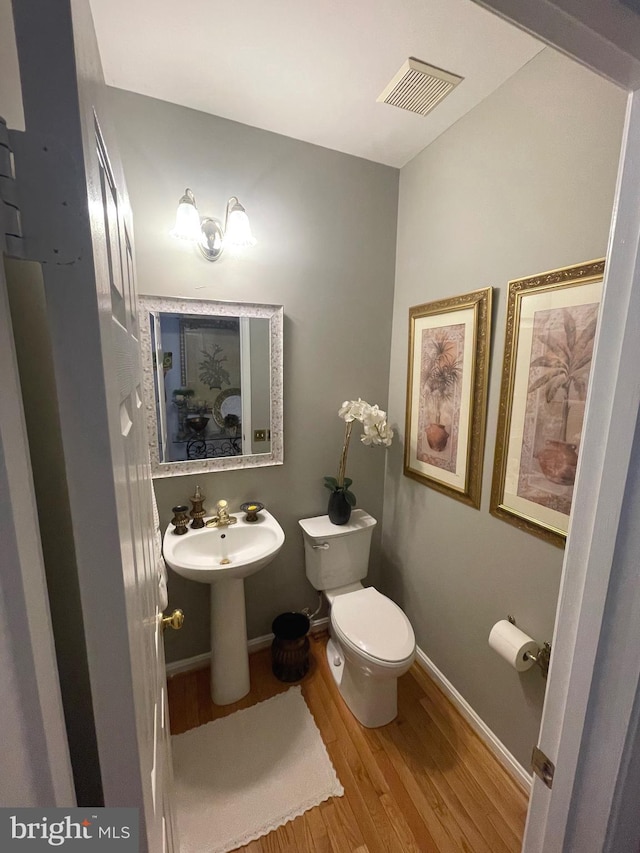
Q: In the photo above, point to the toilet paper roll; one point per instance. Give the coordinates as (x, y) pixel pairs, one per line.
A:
(512, 644)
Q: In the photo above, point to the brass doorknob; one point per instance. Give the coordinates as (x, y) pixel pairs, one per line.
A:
(174, 621)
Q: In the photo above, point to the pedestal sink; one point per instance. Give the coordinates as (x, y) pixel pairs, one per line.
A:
(223, 557)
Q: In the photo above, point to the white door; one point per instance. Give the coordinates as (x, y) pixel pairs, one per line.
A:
(133, 497)
(591, 713)
(77, 219)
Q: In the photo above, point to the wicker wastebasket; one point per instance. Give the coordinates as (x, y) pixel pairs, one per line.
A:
(290, 647)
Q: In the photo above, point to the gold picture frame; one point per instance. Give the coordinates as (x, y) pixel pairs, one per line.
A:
(447, 377)
(550, 331)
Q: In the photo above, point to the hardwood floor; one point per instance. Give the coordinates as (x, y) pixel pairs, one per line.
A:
(424, 783)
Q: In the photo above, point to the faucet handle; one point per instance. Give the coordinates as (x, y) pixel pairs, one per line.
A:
(222, 519)
(223, 512)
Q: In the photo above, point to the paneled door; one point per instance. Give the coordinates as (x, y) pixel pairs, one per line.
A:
(133, 497)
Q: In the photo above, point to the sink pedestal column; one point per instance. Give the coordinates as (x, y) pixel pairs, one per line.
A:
(229, 653)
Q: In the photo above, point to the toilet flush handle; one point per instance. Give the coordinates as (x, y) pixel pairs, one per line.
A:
(321, 547)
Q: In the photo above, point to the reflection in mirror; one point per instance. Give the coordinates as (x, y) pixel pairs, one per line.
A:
(213, 384)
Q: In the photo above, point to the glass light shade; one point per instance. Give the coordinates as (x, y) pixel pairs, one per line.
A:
(238, 230)
(187, 225)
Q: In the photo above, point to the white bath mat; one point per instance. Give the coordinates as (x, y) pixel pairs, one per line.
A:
(241, 776)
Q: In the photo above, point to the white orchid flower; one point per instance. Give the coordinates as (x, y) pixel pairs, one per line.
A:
(374, 415)
(354, 410)
(376, 432)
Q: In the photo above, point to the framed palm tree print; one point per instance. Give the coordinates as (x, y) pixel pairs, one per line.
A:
(551, 326)
(446, 394)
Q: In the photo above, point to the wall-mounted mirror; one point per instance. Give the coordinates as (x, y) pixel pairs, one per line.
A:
(212, 384)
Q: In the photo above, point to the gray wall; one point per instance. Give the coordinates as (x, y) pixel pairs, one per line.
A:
(326, 229)
(11, 108)
(522, 184)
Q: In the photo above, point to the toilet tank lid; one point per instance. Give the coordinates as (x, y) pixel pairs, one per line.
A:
(320, 527)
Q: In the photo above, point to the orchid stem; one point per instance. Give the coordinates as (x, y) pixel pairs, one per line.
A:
(343, 457)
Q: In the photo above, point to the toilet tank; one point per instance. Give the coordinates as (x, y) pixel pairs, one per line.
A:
(337, 554)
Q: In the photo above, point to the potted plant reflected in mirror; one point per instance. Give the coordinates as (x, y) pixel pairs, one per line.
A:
(197, 423)
(181, 397)
(231, 424)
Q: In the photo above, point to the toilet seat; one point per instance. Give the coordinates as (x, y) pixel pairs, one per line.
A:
(373, 626)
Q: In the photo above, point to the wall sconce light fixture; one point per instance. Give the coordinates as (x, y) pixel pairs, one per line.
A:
(210, 235)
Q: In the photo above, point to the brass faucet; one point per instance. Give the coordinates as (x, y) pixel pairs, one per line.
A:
(222, 519)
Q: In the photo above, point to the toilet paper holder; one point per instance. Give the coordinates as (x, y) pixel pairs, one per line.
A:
(542, 658)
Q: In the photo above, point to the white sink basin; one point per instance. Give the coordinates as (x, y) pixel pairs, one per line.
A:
(212, 554)
(223, 557)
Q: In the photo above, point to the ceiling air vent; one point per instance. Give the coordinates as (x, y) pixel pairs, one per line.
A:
(419, 87)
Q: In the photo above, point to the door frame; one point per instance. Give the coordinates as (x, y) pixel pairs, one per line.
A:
(50, 169)
(592, 690)
(37, 766)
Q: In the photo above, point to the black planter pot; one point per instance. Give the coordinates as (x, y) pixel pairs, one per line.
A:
(339, 510)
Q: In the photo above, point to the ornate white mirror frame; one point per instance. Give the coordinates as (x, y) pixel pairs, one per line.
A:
(150, 309)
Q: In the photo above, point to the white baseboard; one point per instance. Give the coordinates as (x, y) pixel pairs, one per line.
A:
(511, 765)
(186, 665)
(254, 645)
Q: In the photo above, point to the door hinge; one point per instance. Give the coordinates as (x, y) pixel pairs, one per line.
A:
(542, 766)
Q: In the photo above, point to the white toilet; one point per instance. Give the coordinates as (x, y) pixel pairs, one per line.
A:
(371, 640)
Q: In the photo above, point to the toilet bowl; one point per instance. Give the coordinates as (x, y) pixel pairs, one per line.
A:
(371, 645)
(371, 640)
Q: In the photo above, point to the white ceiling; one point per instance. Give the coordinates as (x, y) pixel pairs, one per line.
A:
(309, 69)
